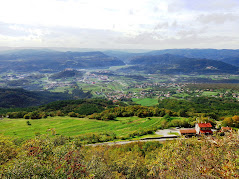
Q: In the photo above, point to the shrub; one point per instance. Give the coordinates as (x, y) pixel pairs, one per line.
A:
(72, 114)
(7, 149)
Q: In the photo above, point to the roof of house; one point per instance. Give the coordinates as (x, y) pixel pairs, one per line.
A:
(226, 128)
(205, 131)
(188, 131)
(204, 124)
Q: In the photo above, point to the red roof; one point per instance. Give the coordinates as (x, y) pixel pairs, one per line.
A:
(205, 131)
(188, 131)
(204, 124)
(226, 128)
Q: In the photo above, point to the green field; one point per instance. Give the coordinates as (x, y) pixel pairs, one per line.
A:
(67, 126)
(209, 93)
(146, 101)
(181, 95)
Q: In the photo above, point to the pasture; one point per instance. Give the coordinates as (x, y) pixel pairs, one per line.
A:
(68, 126)
(146, 101)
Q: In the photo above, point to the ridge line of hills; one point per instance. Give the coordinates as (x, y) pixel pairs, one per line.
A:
(175, 61)
(38, 60)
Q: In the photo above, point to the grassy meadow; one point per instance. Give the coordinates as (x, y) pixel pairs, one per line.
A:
(68, 126)
(209, 93)
(146, 101)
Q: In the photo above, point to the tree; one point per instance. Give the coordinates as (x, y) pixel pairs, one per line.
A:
(235, 120)
(227, 122)
(182, 113)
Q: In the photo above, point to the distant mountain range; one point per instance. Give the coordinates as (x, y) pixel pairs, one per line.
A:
(209, 61)
(213, 54)
(37, 60)
(226, 55)
(174, 64)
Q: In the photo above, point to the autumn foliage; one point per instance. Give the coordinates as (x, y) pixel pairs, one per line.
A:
(59, 157)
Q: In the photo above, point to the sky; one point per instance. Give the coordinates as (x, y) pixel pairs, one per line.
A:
(120, 24)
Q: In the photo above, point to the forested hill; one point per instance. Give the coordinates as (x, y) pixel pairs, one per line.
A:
(229, 56)
(215, 54)
(37, 60)
(157, 59)
(174, 64)
(67, 74)
(20, 98)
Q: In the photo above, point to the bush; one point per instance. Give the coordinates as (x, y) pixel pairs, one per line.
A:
(72, 114)
(59, 113)
(27, 116)
(19, 114)
(35, 115)
(7, 150)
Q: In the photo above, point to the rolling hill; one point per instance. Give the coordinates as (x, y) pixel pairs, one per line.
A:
(67, 74)
(38, 60)
(20, 98)
(174, 64)
(215, 54)
(226, 55)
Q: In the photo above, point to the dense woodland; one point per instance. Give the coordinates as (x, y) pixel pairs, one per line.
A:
(20, 98)
(216, 106)
(61, 108)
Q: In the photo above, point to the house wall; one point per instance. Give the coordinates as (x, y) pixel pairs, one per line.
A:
(197, 128)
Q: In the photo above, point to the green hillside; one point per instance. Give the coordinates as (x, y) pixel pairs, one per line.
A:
(146, 101)
(174, 64)
(67, 126)
(20, 98)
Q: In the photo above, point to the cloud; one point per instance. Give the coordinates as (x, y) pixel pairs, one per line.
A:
(218, 18)
(163, 25)
(9, 30)
(203, 5)
(119, 24)
(56, 36)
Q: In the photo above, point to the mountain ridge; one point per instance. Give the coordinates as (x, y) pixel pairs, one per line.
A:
(168, 63)
(36, 60)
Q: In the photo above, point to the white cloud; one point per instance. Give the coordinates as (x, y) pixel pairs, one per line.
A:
(119, 23)
(218, 18)
(95, 14)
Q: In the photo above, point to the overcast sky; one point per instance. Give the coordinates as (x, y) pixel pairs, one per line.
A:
(120, 24)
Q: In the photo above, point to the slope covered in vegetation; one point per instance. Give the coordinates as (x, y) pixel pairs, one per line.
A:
(20, 98)
(60, 157)
(173, 64)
